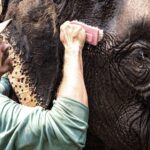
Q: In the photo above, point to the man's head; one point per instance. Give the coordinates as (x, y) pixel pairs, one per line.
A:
(5, 63)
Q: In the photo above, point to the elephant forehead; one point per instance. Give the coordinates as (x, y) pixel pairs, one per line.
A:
(130, 13)
(137, 9)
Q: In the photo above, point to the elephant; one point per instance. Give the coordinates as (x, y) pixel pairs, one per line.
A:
(116, 71)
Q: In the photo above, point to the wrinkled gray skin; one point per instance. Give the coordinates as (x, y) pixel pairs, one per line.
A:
(117, 70)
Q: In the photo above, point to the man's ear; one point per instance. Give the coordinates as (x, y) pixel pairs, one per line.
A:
(4, 24)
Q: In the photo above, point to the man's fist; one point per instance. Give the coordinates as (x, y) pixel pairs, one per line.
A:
(5, 63)
(72, 36)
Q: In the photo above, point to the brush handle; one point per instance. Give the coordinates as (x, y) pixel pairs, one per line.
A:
(93, 34)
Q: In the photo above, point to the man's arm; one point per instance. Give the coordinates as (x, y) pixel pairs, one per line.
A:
(65, 126)
(72, 86)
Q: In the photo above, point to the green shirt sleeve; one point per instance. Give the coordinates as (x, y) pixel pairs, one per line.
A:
(64, 127)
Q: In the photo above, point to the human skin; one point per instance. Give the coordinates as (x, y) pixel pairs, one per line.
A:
(5, 62)
(72, 85)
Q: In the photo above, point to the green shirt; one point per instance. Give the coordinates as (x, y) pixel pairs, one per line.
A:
(63, 127)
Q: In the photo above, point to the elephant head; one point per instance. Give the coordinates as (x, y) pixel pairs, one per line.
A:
(116, 71)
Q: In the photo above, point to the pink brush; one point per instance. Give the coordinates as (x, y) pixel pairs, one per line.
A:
(93, 34)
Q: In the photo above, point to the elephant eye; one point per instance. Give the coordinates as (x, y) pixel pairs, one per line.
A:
(135, 66)
(142, 55)
(138, 60)
(136, 57)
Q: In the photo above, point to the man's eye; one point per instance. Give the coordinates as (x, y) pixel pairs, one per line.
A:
(1, 38)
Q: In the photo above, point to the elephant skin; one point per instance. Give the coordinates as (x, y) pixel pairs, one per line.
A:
(116, 71)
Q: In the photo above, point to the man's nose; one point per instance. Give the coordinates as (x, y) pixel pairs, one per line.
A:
(4, 46)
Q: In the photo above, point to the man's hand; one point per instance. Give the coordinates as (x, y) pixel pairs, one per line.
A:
(72, 36)
(5, 63)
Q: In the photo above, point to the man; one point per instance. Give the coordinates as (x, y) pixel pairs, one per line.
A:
(63, 127)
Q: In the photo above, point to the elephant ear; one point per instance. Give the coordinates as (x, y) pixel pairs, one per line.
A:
(4, 24)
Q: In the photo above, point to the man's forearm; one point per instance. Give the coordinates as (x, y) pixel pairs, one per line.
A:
(72, 85)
